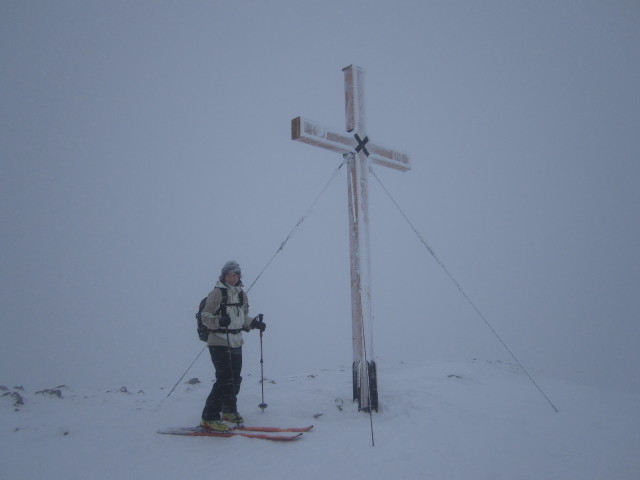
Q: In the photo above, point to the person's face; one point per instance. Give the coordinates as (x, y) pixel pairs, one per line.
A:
(231, 278)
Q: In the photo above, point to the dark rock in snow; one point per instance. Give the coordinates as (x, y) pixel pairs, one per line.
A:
(18, 401)
(51, 392)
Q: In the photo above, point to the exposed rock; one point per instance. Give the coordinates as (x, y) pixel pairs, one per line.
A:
(18, 401)
(51, 392)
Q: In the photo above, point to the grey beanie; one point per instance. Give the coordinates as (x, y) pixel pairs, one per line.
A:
(230, 266)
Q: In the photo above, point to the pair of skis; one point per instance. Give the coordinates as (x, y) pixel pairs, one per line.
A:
(265, 433)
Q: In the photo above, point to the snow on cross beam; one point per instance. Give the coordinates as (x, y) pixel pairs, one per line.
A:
(314, 133)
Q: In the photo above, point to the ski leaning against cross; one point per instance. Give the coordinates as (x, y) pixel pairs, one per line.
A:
(226, 315)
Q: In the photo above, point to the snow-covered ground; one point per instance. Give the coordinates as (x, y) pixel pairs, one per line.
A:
(475, 419)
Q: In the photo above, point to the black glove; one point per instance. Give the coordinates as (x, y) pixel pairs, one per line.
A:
(259, 323)
(224, 321)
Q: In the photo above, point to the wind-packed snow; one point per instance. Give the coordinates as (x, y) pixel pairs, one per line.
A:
(474, 419)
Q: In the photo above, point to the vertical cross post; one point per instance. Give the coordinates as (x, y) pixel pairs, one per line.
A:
(363, 368)
(358, 153)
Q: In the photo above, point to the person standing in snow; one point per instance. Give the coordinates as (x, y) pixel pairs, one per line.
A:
(226, 315)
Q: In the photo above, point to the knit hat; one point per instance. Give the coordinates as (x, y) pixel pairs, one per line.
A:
(230, 266)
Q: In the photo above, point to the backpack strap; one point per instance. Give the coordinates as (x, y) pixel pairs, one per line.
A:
(241, 296)
(222, 309)
(224, 330)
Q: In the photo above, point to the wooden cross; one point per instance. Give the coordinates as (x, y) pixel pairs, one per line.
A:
(358, 151)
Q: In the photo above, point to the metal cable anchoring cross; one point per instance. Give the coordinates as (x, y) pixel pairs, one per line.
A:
(467, 298)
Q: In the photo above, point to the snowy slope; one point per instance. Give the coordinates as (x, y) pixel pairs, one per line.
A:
(474, 419)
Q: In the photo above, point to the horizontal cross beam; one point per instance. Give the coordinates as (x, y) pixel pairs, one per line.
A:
(313, 133)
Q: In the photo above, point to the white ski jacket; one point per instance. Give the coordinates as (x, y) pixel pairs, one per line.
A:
(239, 316)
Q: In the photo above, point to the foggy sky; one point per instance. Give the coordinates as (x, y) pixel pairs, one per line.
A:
(143, 144)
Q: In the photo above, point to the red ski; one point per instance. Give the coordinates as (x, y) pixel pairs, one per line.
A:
(201, 432)
(242, 428)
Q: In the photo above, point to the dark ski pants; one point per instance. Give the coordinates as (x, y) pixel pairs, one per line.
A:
(223, 397)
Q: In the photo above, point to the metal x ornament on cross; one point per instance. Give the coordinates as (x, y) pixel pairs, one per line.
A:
(358, 151)
(361, 144)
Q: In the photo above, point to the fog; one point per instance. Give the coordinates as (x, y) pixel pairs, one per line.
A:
(143, 144)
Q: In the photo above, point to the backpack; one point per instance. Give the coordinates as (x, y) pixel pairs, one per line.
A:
(203, 330)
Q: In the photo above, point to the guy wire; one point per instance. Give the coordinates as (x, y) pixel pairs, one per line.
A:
(282, 245)
(295, 227)
(464, 294)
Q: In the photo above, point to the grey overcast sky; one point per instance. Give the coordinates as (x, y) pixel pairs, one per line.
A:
(144, 143)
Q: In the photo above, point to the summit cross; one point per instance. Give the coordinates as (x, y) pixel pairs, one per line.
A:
(358, 151)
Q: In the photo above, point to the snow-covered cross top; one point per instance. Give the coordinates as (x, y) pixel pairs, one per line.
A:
(358, 150)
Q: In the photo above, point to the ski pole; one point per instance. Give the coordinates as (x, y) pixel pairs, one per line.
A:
(233, 377)
(262, 405)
